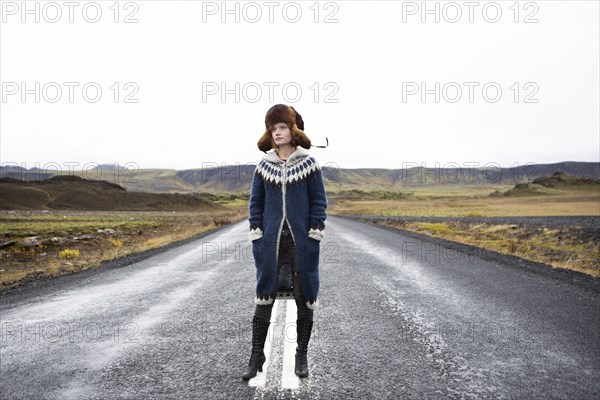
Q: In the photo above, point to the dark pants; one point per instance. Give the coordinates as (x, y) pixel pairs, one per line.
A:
(287, 246)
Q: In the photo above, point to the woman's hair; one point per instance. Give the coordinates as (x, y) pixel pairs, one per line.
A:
(293, 143)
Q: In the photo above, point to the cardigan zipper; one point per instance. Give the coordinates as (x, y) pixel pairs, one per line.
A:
(285, 211)
(283, 189)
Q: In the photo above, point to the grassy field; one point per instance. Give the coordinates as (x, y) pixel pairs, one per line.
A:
(49, 243)
(469, 201)
(560, 248)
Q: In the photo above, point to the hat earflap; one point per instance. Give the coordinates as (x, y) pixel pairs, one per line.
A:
(264, 143)
(300, 137)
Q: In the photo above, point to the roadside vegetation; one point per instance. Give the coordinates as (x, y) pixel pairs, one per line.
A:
(570, 247)
(567, 247)
(45, 243)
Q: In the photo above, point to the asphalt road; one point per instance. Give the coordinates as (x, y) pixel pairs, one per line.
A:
(401, 316)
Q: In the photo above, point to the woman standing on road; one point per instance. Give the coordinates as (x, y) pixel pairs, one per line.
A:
(286, 215)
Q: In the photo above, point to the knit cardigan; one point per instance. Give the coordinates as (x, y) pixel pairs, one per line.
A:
(291, 190)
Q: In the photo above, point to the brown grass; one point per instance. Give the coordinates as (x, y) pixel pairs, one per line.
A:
(558, 248)
(459, 206)
(55, 232)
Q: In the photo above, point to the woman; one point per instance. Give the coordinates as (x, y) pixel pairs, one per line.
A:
(286, 215)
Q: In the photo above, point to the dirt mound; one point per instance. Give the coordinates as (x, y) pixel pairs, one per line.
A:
(540, 185)
(560, 179)
(70, 192)
(520, 189)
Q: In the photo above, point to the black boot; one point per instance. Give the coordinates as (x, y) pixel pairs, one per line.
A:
(303, 329)
(260, 328)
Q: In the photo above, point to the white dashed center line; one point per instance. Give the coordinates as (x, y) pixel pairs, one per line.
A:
(278, 337)
(289, 379)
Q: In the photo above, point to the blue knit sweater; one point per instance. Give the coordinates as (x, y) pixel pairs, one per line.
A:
(291, 190)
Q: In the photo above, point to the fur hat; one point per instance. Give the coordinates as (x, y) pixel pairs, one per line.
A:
(288, 115)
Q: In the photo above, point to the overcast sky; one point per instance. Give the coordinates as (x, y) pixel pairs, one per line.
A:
(509, 93)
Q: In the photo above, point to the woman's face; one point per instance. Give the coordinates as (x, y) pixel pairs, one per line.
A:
(281, 134)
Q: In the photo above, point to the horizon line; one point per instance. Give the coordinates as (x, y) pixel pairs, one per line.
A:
(466, 165)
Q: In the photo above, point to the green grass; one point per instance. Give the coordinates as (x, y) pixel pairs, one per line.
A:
(436, 228)
(53, 224)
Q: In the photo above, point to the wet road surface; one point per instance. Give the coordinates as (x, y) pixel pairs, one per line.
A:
(400, 316)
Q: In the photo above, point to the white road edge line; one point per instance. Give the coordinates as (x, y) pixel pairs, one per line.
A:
(289, 379)
(261, 377)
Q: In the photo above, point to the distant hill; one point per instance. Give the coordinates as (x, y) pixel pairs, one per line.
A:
(111, 167)
(543, 185)
(75, 193)
(24, 174)
(237, 178)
